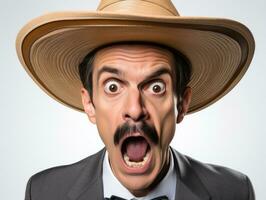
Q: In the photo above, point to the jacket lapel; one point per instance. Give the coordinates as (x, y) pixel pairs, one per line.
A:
(188, 184)
(89, 185)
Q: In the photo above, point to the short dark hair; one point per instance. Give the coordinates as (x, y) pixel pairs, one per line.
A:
(182, 68)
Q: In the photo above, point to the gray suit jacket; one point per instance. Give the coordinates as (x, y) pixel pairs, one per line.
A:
(83, 181)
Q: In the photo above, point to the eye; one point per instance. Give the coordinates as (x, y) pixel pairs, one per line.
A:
(157, 87)
(112, 87)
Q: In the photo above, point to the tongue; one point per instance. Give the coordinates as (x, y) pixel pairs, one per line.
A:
(136, 149)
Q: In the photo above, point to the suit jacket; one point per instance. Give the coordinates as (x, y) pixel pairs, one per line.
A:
(83, 181)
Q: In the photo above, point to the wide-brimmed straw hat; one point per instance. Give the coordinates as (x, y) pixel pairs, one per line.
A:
(52, 46)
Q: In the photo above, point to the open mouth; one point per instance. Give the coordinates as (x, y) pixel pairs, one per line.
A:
(135, 151)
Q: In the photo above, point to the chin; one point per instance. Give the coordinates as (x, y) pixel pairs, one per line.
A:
(138, 185)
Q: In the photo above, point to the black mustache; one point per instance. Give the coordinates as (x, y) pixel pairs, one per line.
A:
(144, 128)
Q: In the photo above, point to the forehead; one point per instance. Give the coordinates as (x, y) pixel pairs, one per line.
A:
(142, 55)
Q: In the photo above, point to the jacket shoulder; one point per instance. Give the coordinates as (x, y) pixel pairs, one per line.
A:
(53, 183)
(222, 182)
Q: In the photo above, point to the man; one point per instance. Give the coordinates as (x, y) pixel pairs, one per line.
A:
(140, 68)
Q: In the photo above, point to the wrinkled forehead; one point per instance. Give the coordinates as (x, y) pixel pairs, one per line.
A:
(136, 54)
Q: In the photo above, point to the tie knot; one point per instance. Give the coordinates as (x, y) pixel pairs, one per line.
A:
(113, 197)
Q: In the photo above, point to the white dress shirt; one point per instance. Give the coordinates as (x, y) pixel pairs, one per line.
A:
(111, 185)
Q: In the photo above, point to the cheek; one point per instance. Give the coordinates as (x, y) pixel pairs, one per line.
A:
(164, 115)
(168, 127)
(107, 118)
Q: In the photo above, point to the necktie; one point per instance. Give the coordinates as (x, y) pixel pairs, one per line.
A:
(119, 198)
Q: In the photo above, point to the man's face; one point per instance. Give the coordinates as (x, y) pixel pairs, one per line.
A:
(134, 108)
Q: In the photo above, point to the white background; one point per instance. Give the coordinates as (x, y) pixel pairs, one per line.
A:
(38, 133)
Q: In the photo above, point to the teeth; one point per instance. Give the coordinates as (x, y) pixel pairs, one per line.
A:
(135, 164)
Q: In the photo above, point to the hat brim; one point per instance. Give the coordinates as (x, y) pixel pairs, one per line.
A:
(51, 47)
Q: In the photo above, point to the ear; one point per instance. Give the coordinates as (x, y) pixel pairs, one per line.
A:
(88, 105)
(184, 104)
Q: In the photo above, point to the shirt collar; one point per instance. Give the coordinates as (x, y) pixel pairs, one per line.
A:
(112, 186)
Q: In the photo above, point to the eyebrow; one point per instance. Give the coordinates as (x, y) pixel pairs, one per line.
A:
(154, 74)
(109, 70)
(159, 72)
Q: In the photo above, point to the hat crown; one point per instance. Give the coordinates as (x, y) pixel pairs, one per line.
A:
(140, 7)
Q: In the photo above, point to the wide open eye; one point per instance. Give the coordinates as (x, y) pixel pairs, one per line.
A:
(157, 87)
(112, 87)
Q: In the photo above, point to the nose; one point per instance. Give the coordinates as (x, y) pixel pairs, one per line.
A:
(134, 109)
